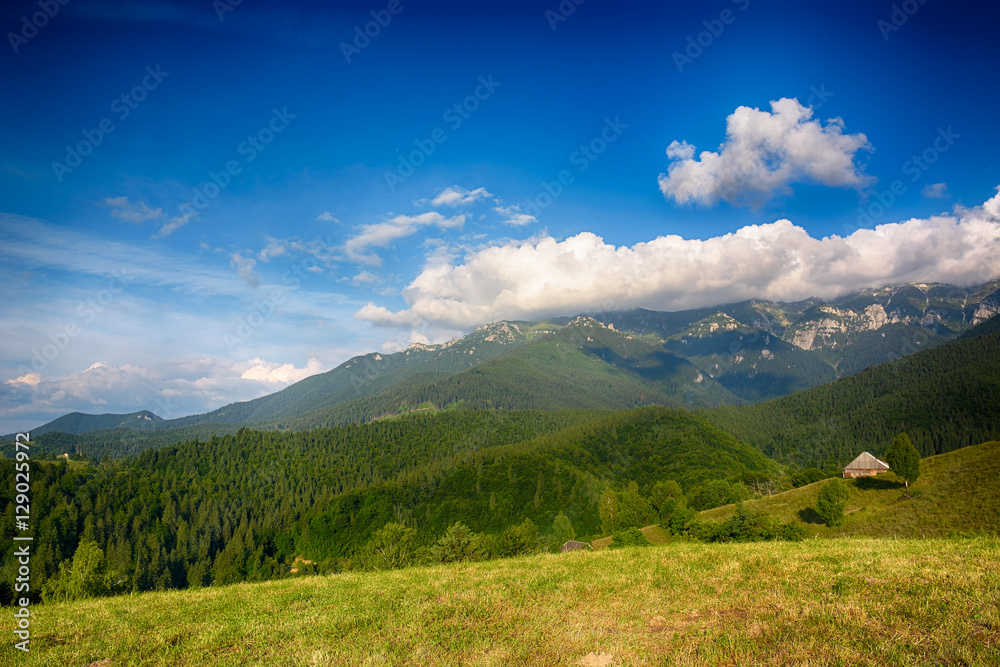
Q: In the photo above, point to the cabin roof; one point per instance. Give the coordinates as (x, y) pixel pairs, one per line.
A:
(866, 461)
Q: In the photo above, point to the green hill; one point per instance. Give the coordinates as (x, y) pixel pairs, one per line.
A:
(957, 492)
(242, 506)
(76, 423)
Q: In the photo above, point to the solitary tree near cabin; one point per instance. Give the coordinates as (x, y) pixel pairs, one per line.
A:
(562, 530)
(904, 459)
(832, 502)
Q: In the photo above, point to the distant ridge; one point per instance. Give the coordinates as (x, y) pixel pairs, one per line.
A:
(738, 353)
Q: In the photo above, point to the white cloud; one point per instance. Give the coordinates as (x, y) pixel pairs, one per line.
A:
(274, 373)
(762, 155)
(326, 216)
(366, 278)
(381, 234)
(244, 267)
(545, 277)
(680, 150)
(175, 223)
(30, 379)
(513, 216)
(455, 196)
(320, 249)
(274, 248)
(935, 190)
(123, 209)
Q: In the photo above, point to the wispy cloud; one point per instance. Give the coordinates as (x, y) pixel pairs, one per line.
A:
(244, 268)
(513, 216)
(381, 234)
(31, 243)
(123, 209)
(175, 223)
(935, 190)
(455, 196)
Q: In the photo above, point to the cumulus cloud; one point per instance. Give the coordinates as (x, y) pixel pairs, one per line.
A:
(455, 196)
(381, 234)
(513, 216)
(263, 371)
(545, 277)
(326, 216)
(935, 190)
(123, 209)
(762, 155)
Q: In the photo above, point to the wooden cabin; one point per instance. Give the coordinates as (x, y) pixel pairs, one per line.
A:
(865, 465)
(573, 545)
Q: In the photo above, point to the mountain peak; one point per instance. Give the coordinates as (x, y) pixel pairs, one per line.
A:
(499, 332)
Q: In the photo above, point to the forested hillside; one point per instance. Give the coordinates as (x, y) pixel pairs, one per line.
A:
(242, 507)
(945, 398)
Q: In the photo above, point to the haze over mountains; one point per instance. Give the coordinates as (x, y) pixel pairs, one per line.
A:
(727, 355)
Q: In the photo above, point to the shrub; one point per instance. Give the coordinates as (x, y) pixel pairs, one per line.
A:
(519, 540)
(391, 547)
(630, 537)
(807, 476)
(85, 576)
(457, 544)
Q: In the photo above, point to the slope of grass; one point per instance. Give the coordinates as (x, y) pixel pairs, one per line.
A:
(957, 492)
(819, 602)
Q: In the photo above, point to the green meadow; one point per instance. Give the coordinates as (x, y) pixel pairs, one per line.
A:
(846, 601)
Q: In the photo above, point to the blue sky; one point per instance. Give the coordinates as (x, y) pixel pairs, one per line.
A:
(245, 213)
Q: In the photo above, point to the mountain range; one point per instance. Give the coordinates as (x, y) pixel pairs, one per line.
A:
(702, 358)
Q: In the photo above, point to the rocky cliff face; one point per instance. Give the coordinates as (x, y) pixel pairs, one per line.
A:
(943, 309)
(987, 308)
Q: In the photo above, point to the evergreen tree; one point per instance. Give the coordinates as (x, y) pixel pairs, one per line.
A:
(904, 459)
(519, 540)
(457, 544)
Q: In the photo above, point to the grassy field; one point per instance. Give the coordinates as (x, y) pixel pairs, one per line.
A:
(957, 492)
(852, 601)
